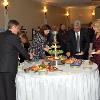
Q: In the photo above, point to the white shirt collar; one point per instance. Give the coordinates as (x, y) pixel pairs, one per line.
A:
(78, 34)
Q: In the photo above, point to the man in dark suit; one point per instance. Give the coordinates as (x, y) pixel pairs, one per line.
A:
(10, 47)
(91, 32)
(77, 42)
(61, 38)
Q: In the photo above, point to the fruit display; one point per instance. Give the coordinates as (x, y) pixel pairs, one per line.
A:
(55, 51)
(52, 52)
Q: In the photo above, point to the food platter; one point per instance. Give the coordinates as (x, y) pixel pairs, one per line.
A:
(41, 68)
(72, 62)
(52, 52)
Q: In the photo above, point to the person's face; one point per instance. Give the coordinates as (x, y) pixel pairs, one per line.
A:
(23, 40)
(63, 27)
(15, 29)
(96, 28)
(77, 28)
(46, 32)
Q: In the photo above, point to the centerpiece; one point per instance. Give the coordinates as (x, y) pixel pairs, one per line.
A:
(55, 51)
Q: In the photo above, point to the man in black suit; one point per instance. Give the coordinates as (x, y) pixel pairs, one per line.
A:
(10, 47)
(61, 38)
(77, 42)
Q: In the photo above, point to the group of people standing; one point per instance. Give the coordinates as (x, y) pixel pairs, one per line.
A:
(77, 41)
(74, 42)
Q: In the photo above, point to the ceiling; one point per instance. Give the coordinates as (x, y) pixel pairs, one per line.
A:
(71, 3)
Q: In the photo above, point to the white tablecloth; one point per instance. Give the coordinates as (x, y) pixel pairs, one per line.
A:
(73, 85)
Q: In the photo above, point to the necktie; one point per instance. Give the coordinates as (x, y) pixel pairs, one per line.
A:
(78, 43)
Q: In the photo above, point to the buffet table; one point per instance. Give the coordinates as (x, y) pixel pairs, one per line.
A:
(68, 84)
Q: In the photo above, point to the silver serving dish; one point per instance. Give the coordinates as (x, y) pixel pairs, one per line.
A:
(56, 62)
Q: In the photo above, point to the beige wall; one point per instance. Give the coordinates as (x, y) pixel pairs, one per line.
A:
(82, 14)
(29, 14)
(1, 16)
(97, 12)
(56, 16)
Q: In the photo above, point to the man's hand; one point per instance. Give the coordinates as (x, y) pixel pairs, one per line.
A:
(81, 53)
(46, 49)
(31, 55)
(68, 54)
(97, 52)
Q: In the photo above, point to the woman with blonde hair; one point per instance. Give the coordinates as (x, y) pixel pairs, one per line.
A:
(96, 43)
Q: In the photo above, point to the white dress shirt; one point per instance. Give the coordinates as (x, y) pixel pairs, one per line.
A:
(78, 35)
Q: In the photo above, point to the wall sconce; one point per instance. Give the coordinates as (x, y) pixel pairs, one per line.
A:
(67, 14)
(45, 9)
(67, 19)
(5, 3)
(45, 14)
(6, 18)
(93, 13)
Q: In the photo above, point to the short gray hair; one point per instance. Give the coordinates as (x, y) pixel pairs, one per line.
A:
(77, 23)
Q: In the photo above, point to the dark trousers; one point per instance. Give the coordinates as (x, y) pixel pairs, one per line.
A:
(7, 86)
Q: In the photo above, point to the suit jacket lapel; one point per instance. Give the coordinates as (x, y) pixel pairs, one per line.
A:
(80, 38)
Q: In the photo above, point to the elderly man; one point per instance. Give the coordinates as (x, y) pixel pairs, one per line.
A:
(77, 42)
(10, 47)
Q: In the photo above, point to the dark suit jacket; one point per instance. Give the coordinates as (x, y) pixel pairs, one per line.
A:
(91, 34)
(10, 47)
(71, 41)
(26, 46)
(61, 38)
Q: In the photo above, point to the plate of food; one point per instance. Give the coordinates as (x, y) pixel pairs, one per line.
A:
(35, 68)
(51, 69)
(41, 68)
(49, 58)
(76, 62)
(69, 60)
